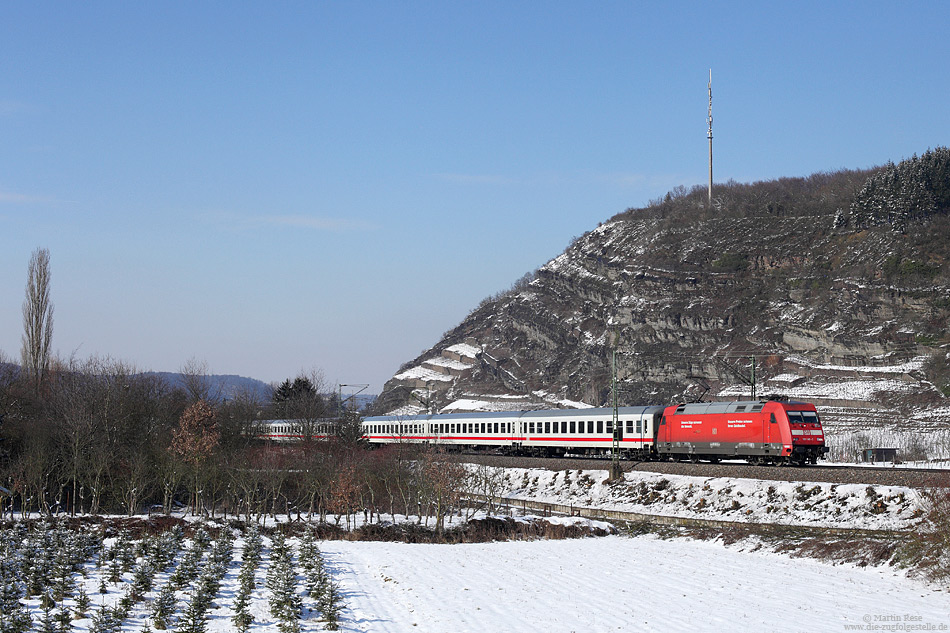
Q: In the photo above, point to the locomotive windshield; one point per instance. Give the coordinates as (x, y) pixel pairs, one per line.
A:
(802, 417)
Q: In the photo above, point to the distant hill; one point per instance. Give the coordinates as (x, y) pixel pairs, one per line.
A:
(227, 385)
(837, 285)
(230, 386)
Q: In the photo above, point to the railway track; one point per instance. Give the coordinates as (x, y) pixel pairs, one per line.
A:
(878, 476)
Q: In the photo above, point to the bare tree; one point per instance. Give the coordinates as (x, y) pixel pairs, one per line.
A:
(37, 318)
(195, 440)
(442, 484)
(197, 382)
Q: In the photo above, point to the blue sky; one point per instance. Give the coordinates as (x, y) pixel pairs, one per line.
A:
(276, 187)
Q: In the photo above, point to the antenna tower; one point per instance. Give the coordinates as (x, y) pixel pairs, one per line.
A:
(709, 136)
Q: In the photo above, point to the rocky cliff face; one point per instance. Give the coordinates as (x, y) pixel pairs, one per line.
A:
(685, 299)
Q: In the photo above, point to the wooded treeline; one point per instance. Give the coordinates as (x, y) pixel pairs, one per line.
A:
(98, 437)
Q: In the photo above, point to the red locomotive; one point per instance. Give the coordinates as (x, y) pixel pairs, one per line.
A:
(758, 431)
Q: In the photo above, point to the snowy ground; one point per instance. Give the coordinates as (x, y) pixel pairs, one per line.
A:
(616, 584)
(719, 498)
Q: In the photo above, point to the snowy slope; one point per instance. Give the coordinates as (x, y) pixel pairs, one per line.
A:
(719, 498)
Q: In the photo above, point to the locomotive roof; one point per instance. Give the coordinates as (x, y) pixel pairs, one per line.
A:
(728, 407)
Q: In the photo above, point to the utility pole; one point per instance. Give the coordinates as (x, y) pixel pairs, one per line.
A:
(709, 136)
(753, 378)
(615, 471)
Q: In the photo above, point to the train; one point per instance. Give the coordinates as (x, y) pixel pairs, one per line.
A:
(758, 431)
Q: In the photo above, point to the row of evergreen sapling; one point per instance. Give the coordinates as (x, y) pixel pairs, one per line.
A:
(48, 561)
(319, 585)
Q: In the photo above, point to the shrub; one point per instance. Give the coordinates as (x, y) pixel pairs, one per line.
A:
(928, 546)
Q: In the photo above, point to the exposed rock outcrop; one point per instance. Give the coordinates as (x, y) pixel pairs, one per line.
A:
(685, 297)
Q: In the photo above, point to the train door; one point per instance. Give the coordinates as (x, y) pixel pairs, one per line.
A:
(771, 433)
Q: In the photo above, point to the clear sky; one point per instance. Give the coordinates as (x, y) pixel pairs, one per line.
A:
(270, 187)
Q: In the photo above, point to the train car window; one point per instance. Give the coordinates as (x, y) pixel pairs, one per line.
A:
(530, 427)
(573, 426)
(564, 426)
(810, 417)
(580, 426)
(610, 426)
(639, 426)
(794, 417)
(630, 425)
(547, 427)
(772, 419)
(600, 426)
(590, 426)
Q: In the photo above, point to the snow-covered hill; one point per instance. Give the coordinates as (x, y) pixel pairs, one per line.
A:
(774, 282)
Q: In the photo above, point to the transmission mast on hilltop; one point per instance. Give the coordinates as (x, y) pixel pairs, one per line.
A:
(709, 136)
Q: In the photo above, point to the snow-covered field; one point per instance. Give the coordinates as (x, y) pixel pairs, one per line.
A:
(614, 584)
